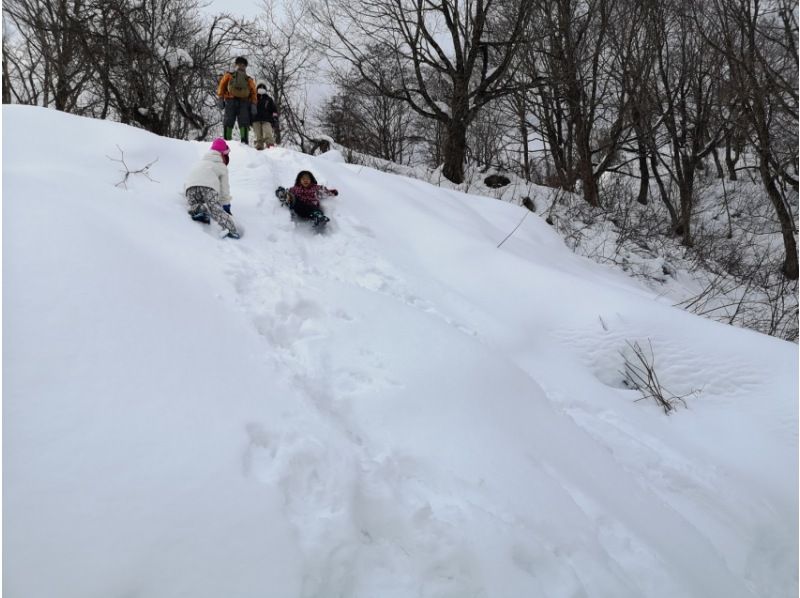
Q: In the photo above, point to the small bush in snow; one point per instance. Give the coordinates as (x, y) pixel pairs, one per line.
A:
(640, 374)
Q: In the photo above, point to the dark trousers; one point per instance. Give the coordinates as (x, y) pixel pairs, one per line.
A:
(236, 109)
(304, 210)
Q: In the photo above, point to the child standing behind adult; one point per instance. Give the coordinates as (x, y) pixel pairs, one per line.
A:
(265, 118)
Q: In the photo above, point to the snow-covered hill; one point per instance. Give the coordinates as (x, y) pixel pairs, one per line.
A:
(398, 408)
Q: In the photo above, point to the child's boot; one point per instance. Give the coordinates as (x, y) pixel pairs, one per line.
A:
(199, 214)
(319, 218)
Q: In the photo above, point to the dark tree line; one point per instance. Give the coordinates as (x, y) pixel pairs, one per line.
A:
(151, 63)
(154, 64)
(658, 90)
(445, 60)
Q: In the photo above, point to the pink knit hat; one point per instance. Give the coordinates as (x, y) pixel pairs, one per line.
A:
(220, 146)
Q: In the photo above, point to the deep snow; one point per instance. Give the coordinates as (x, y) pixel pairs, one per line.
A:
(397, 408)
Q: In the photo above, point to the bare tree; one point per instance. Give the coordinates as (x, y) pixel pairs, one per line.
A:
(457, 39)
(686, 91)
(284, 56)
(152, 63)
(485, 139)
(369, 122)
(758, 40)
(159, 62)
(22, 80)
(52, 60)
(576, 49)
(515, 106)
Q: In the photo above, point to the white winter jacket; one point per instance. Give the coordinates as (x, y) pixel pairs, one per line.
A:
(210, 171)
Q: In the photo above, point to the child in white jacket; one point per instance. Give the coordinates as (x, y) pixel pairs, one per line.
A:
(208, 190)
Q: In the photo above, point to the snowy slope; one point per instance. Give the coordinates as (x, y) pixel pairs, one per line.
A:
(398, 408)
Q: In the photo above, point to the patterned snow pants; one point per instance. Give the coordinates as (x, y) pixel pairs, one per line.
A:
(205, 199)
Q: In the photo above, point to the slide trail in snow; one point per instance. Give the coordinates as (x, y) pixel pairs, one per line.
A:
(279, 277)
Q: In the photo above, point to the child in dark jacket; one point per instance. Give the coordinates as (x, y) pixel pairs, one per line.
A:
(306, 195)
(265, 118)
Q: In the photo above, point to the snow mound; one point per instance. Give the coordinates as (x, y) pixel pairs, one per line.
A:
(397, 408)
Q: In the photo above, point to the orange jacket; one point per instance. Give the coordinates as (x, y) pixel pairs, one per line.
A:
(222, 88)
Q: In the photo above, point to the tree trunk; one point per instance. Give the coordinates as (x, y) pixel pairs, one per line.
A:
(455, 150)
(644, 172)
(526, 155)
(6, 80)
(760, 122)
(790, 266)
(686, 189)
(730, 159)
(585, 168)
(718, 164)
(673, 214)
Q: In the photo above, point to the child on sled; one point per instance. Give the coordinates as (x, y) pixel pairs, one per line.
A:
(304, 198)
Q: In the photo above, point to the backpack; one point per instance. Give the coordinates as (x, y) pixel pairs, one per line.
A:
(238, 86)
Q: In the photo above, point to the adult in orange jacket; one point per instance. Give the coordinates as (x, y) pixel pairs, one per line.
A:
(237, 97)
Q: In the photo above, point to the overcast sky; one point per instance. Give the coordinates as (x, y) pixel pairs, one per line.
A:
(247, 8)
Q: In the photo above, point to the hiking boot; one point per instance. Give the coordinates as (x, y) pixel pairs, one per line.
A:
(319, 218)
(233, 235)
(201, 217)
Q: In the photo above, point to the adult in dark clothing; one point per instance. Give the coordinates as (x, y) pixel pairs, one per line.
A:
(266, 117)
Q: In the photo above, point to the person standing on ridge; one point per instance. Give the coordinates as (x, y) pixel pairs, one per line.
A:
(237, 98)
(265, 118)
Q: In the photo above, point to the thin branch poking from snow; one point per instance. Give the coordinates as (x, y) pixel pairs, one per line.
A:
(145, 170)
(515, 229)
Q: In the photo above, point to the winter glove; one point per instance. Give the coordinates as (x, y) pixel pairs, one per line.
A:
(221, 103)
(253, 110)
(333, 191)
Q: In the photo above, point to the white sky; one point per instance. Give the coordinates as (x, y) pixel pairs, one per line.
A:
(247, 8)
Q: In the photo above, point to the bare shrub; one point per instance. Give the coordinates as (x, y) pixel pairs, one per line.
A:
(127, 172)
(640, 374)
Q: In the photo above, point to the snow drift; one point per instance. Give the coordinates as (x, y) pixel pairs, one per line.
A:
(397, 408)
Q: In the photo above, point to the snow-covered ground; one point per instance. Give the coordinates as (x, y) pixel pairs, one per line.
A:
(732, 274)
(397, 408)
